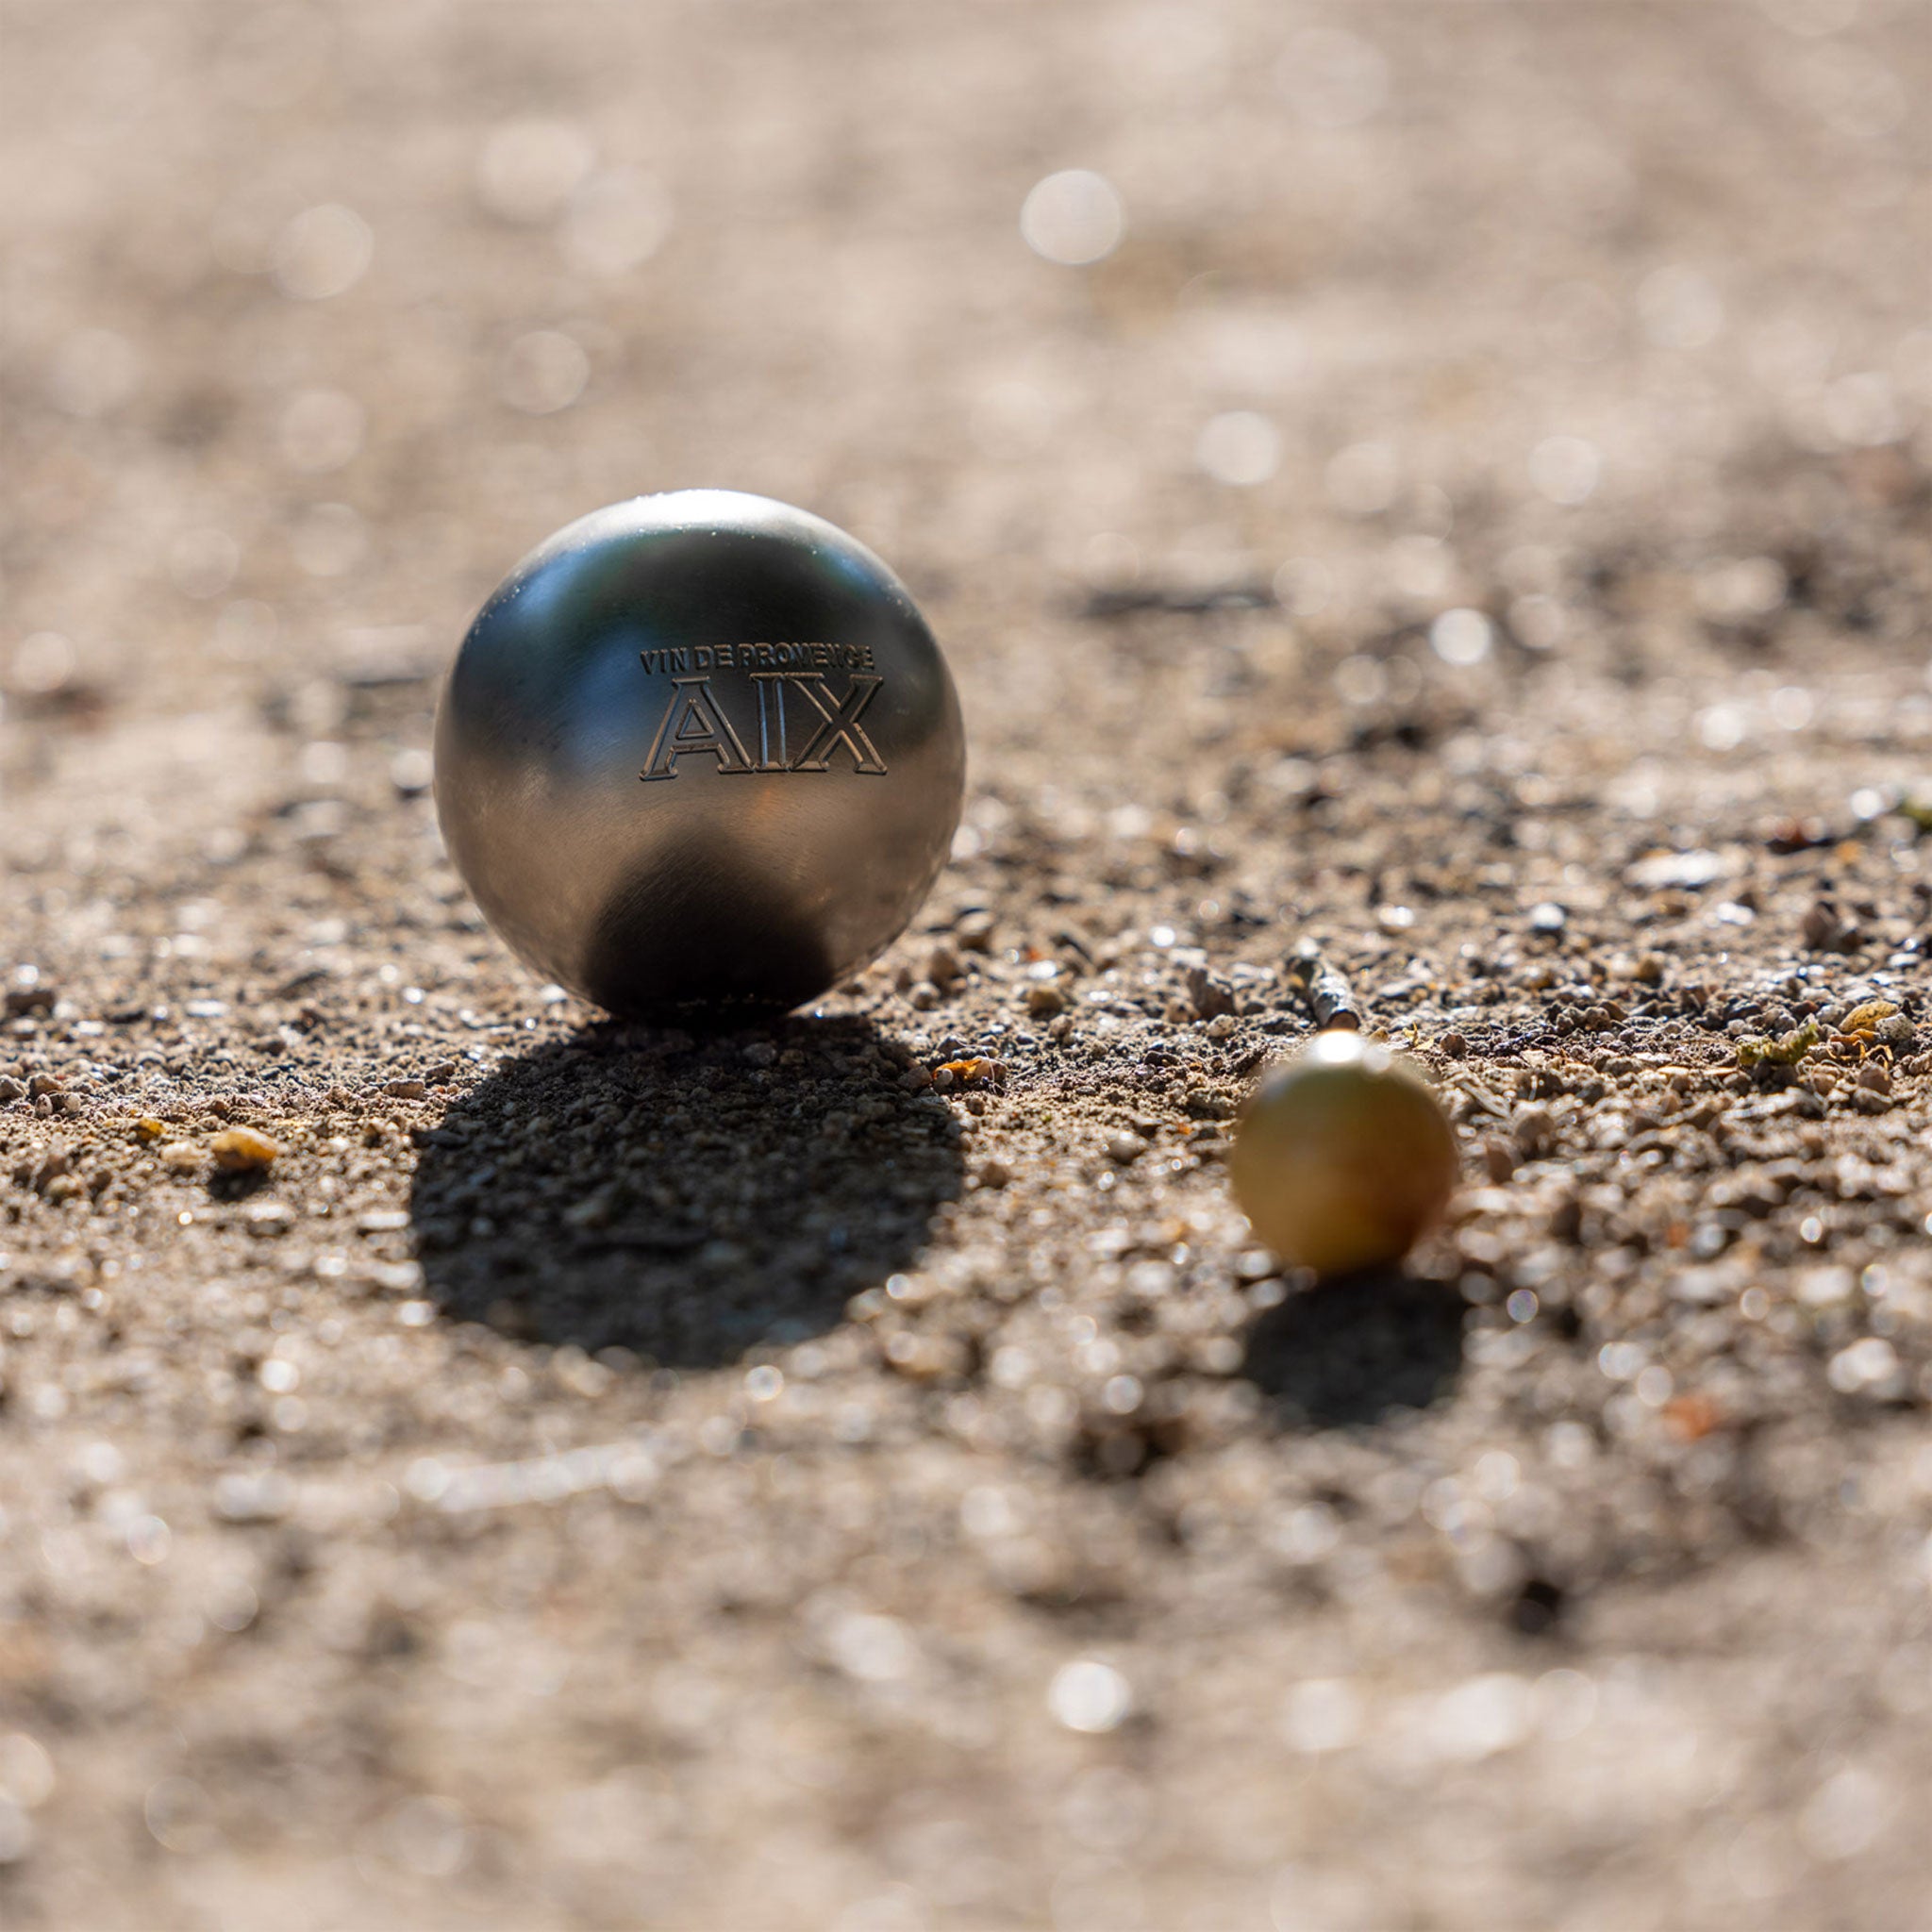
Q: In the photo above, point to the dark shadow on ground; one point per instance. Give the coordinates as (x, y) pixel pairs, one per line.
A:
(1346, 1352)
(636, 1188)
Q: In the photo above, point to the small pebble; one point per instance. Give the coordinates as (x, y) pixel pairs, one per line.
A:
(973, 932)
(1866, 1020)
(1822, 930)
(1210, 996)
(241, 1150)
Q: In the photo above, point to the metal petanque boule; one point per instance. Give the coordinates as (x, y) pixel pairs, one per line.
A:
(699, 756)
(1342, 1157)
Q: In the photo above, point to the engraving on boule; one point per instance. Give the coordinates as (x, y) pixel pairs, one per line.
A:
(673, 637)
(695, 721)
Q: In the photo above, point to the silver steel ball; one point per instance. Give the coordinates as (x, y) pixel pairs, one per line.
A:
(699, 756)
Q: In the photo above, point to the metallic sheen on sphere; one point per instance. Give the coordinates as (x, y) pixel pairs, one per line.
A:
(1342, 1157)
(699, 756)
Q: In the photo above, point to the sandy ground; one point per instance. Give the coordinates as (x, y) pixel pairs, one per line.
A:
(1475, 519)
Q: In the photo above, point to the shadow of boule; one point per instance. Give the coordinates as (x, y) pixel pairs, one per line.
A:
(1347, 1350)
(686, 1199)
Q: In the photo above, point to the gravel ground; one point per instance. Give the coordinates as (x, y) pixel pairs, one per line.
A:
(1475, 521)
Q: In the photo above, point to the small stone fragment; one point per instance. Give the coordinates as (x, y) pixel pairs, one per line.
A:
(1045, 1001)
(1683, 872)
(405, 1089)
(592, 1211)
(973, 932)
(1210, 994)
(1866, 1020)
(924, 1357)
(241, 1150)
(1125, 1148)
(1822, 931)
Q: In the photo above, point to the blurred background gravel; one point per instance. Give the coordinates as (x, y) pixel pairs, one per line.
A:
(1449, 481)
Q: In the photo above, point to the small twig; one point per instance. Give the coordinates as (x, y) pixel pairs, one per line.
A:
(1322, 990)
(1129, 599)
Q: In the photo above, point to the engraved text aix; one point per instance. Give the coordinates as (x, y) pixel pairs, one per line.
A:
(795, 721)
